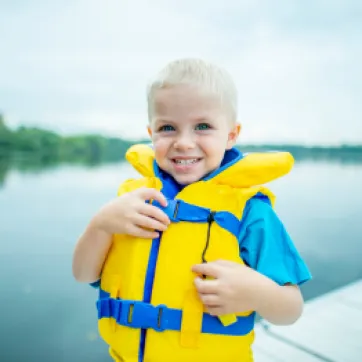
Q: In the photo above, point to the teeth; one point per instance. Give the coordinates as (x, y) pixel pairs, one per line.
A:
(186, 162)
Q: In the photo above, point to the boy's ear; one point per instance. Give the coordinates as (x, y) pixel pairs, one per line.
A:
(233, 135)
(149, 130)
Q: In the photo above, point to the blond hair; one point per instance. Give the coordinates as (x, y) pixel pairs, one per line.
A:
(196, 72)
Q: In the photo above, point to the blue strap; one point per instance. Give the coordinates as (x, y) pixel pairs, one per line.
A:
(178, 210)
(228, 221)
(136, 314)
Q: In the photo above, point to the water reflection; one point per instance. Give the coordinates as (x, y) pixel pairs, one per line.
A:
(44, 206)
(5, 163)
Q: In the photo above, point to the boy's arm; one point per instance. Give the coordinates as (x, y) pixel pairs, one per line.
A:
(268, 249)
(280, 305)
(90, 253)
(93, 245)
(126, 214)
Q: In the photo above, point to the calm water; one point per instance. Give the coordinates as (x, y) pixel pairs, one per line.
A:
(47, 316)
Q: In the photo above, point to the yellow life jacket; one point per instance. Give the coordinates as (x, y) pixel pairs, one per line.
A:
(149, 311)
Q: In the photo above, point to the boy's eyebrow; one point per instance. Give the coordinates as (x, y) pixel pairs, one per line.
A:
(162, 120)
(202, 119)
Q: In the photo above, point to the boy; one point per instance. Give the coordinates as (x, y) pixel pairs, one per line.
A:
(196, 239)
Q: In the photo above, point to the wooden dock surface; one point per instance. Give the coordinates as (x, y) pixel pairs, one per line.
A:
(330, 329)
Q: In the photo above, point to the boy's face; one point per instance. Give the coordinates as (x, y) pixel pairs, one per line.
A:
(190, 131)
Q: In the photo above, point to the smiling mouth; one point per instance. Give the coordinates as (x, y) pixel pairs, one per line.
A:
(189, 161)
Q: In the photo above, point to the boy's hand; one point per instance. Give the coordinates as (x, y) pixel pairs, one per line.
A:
(234, 287)
(130, 214)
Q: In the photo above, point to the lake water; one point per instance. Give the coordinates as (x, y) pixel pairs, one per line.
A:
(47, 316)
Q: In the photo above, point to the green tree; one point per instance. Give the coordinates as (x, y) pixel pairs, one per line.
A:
(6, 136)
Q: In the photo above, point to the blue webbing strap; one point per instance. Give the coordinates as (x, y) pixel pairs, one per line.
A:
(178, 210)
(136, 314)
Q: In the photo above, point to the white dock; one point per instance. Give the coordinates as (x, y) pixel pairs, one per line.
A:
(330, 329)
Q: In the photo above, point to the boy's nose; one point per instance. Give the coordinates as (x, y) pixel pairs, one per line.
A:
(184, 143)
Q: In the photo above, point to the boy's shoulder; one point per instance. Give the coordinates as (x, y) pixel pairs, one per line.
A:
(259, 209)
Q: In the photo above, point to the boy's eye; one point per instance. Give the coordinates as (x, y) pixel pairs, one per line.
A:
(166, 128)
(202, 126)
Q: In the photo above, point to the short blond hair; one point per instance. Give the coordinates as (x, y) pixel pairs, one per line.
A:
(196, 72)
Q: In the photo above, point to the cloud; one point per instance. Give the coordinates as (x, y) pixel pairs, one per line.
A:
(83, 65)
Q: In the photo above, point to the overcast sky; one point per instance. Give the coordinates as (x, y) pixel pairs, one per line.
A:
(83, 65)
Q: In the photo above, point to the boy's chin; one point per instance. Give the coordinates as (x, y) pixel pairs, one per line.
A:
(186, 179)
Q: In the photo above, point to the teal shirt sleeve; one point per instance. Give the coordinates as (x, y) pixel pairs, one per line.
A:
(266, 246)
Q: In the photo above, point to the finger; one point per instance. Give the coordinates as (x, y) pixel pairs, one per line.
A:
(153, 194)
(155, 212)
(216, 311)
(148, 222)
(142, 233)
(210, 269)
(210, 300)
(207, 286)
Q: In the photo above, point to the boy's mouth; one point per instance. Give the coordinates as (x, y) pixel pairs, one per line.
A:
(185, 161)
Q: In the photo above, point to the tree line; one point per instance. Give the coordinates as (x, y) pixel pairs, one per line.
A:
(49, 146)
(46, 144)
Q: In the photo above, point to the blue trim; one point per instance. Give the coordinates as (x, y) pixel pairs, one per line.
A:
(156, 169)
(161, 318)
(170, 189)
(95, 284)
(263, 197)
(150, 275)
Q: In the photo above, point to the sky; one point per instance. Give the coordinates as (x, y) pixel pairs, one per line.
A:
(82, 66)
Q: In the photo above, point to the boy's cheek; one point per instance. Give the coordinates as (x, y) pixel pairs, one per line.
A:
(161, 146)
